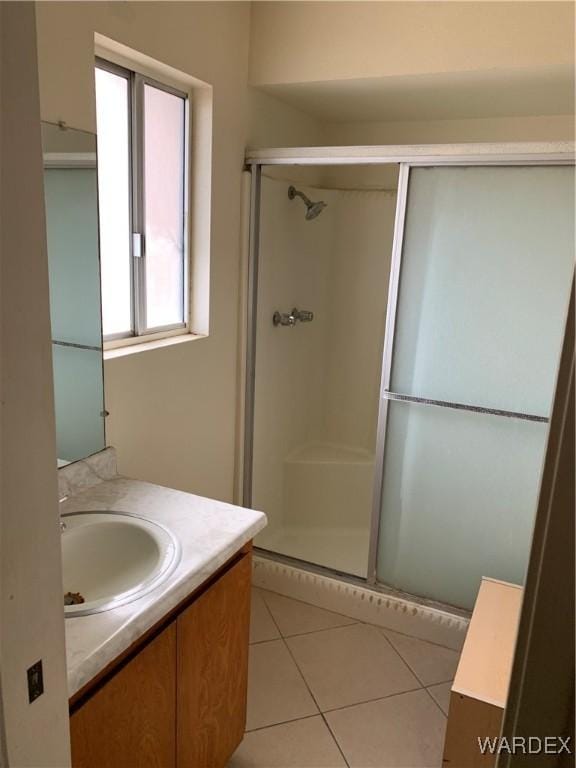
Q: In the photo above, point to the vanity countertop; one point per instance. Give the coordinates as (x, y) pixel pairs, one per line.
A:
(209, 531)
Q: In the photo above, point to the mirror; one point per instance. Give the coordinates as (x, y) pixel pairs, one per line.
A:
(71, 199)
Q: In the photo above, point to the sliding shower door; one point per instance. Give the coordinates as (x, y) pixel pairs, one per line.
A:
(481, 277)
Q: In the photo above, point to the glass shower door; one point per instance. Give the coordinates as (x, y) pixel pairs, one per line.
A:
(484, 267)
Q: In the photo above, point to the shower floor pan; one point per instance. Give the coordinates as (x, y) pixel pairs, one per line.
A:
(341, 549)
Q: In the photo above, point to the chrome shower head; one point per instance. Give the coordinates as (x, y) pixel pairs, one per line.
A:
(312, 209)
(315, 209)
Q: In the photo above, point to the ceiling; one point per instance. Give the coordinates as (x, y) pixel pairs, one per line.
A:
(443, 96)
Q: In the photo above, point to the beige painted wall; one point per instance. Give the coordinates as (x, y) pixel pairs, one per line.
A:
(172, 410)
(314, 41)
(274, 123)
(31, 613)
(539, 128)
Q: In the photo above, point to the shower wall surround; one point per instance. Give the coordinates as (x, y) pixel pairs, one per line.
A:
(317, 383)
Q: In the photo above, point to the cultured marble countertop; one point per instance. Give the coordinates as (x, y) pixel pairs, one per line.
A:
(209, 531)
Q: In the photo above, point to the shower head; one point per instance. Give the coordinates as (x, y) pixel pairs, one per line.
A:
(312, 209)
(315, 209)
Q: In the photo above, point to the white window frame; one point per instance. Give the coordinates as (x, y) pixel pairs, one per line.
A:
(140, 332)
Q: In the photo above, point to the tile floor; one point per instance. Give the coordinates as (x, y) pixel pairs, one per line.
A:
(326, 691)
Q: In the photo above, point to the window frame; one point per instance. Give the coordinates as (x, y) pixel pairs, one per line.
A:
(139, 331)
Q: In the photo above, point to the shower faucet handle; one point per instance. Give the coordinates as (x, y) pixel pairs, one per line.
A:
(283, 318)
(304, 315)
(291, 318)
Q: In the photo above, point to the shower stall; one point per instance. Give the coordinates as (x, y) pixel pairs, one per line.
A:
(406, 308)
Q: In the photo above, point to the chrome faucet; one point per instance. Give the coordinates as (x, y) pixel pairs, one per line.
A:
(291, 318)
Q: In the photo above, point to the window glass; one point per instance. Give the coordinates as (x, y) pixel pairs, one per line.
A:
(112, 99)
(164, 121)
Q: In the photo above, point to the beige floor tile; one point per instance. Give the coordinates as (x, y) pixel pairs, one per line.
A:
(276, 691)
(262, 625)
(441, 694)
(430, 663)
(296, 618)
(405, 731)
(300, 744)
(349, 665)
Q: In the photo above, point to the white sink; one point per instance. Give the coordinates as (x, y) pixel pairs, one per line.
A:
(113, 558)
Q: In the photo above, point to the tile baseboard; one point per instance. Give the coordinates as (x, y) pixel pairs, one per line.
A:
(426, 622)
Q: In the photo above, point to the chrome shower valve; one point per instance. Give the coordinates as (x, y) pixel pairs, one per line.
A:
(291, 318)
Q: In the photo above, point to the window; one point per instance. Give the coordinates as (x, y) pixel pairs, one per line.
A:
(142, 177)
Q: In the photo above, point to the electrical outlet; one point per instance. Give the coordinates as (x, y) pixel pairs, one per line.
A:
(35, 681)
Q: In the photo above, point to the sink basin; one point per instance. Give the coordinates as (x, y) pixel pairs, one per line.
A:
(113, 558)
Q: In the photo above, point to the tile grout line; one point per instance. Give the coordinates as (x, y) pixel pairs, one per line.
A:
(435, 702)
(414, 672)
(259, 642)
(310, 632)
(420, 687)
(371, 701)
(326, 629)
(413, 637)
(402, 659)
(282, 722)
(354, 620)
(309, 605)
(330, 731)
(280, 635)
(303, 602)
(275, 640)
(321, 713)
(315, 702)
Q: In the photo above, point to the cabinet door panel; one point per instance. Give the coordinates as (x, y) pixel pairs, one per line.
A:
(212, 671)
(129, 722)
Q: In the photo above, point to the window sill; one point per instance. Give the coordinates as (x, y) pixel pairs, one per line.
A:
(147, 346)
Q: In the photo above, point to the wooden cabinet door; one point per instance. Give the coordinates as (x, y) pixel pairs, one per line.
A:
(129, 722)
(212, 671)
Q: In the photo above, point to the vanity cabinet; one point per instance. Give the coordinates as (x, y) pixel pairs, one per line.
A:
(177, 698)
(212, 671)
(130, 719)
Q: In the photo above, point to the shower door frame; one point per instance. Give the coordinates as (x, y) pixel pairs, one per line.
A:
(406, 157)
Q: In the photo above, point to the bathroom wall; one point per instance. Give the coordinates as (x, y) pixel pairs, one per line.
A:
(419, 72)
(312, 42)
(172, 410)
(31, 616)
(526, 128)
(274, 123)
